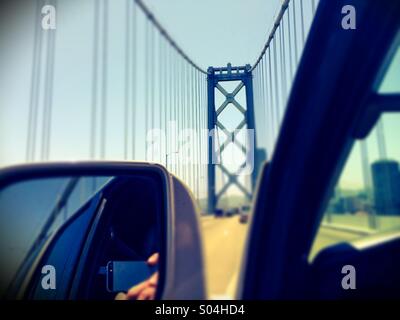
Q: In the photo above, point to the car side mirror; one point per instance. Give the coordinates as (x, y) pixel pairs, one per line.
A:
(92, 229)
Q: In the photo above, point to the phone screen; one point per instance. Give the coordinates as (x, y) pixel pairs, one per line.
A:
(122, 275)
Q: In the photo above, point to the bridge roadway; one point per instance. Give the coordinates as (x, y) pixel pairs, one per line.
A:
(224, 240)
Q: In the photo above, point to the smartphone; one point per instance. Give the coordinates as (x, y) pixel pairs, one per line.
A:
(122, 275)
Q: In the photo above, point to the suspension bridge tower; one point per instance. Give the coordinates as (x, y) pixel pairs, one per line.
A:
(215, 76)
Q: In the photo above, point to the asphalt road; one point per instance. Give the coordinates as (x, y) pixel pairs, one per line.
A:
(224, 240)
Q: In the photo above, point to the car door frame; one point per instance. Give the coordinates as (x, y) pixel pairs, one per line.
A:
(330, 105)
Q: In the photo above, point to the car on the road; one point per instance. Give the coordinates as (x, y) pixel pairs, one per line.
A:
(219, 213)
(244, 217)
(236, 210)
(244, 214)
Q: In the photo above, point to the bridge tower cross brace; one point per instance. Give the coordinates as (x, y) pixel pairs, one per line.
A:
(242, 74)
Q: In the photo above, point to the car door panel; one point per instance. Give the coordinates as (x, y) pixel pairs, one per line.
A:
(329, 96)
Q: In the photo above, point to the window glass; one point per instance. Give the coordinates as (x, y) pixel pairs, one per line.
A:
(366, 199)
(27, 219)
(391, 80)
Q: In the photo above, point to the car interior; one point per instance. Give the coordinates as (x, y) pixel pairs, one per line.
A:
(376, 260)
(132, 232)
(120, 223)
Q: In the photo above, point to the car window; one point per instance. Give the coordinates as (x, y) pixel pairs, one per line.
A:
(391, 79)
(37, 207)
(366, 198)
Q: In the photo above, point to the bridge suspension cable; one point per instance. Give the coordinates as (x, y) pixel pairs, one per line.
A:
(273, 70)
(173, 103)
(150, 84)
(35, 87)
(41, 92)
(166, 35)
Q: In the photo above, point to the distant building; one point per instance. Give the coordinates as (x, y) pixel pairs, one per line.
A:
(353, 204)
(350, 204)
(386, 183)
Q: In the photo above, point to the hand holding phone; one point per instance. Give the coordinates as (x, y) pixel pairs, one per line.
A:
(122, 275)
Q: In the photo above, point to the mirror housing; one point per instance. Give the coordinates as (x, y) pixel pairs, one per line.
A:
(181, 264)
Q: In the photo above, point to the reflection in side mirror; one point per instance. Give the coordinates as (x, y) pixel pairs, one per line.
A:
(100, 231)
(123, 275)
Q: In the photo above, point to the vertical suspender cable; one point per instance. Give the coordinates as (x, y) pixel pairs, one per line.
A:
(166, 99)
(48, 93)
(49, 96)
(205, 126)
(168, 82)
(258, 86)
(184, 114)
(271, 97)
(255, 88)
(193, 127)
(179, 115)
(35, 86)
(202, 111)
(184, 104)
(290, 46)
(193, 153)
(295, 33)
(187, 119)
(176, 92)
(127, 75)
(96, 31)
(198, 167)
(265, 92)
(190, 106)
(134, 72)
(303, 34)
(283, 64)
(152, 84)
(188, 124)
(200, 131)
(147, 76)
(264, 80)
(165, 95)
(277, 114)
(171, 83)
(202, 128)
(104, 81)
(268, 102)
(161, 106)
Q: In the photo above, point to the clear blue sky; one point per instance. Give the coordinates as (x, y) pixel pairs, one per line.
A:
(215, 32)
